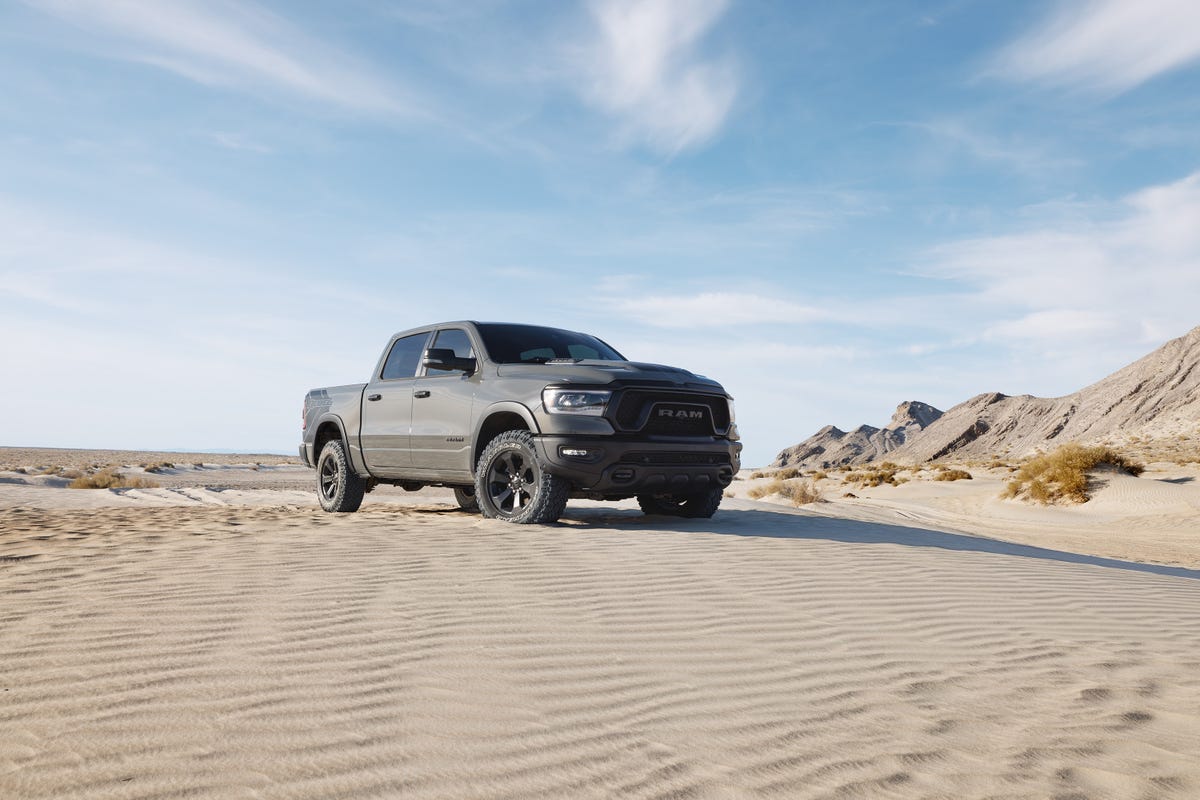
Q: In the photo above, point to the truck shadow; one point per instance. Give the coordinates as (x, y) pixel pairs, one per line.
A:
(786, 524)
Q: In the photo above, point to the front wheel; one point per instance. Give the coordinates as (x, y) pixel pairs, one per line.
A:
(339, 487)
(696, 505)
(511, 485)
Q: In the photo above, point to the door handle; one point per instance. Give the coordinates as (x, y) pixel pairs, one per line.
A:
(421, 393)
(374, 397)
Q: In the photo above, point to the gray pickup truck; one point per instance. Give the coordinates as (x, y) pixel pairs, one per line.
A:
(519, 418)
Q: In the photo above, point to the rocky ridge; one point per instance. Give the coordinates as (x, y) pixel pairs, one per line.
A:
(1155, 398)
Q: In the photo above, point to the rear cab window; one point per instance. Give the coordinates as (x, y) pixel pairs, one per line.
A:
(404, 357)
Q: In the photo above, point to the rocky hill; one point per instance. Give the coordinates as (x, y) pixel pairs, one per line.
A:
(831, 447)
(1154, 398)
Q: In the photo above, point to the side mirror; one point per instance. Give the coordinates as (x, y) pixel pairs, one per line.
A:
(445, 360)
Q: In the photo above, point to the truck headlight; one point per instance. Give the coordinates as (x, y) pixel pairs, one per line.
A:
(575, 401)
(733, 430)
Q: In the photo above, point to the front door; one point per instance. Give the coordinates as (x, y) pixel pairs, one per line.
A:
(441, 410)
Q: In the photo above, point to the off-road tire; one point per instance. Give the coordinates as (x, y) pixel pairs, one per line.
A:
(697, 505)
(339, 487)
(465, 496)
(512, 485)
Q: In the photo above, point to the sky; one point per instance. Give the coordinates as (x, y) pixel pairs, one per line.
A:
(208, 207)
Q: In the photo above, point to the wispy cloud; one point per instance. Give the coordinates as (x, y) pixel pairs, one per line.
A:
(715, 309)
(963, 136)
(1106, 45)
(1132, 270)
(237, 45)
(645, 68)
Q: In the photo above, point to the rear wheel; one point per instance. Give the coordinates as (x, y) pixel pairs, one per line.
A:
(465, 495)
(339, 487)
(511, 484)
(694, 505)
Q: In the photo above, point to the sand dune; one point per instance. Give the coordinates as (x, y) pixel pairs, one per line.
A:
(411, 650)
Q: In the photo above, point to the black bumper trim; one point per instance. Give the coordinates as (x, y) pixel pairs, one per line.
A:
(635, 467)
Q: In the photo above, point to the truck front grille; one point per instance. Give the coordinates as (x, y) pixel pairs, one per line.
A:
(669, 413)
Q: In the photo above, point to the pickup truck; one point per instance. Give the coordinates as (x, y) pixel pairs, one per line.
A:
(519, 418)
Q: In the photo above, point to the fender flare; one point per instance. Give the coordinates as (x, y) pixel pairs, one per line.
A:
(501, 407)
(508, 406)
(353, 453)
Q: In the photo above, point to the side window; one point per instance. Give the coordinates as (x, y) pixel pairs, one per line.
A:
(405, 356)
(456, 340)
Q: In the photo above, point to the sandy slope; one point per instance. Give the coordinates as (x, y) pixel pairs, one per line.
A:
(259, 649)
(1154, 518)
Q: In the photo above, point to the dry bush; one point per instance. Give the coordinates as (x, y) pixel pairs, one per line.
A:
(787, 474)
(158, 466)
(109, 478)
(757, 474)
(953, 475)
(1063, 474)
(874, 476)
(800, 492)
(819, 475)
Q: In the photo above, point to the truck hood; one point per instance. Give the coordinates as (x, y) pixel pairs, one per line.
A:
(602, 372)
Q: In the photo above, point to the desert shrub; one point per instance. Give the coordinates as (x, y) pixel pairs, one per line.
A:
(874, 476)
(787, 474)
(158, 466)
(1063, 474)
(953, 475)
(757, 474)
(109, 478)
(730, 493)
(800, 492)
(819, 475)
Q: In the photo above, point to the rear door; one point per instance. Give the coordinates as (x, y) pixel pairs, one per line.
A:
(441, 411)
(387, 407)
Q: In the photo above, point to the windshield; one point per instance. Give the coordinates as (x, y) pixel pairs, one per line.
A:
(531, 344)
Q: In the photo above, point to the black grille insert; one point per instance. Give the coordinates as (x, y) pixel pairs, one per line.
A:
(672, 413)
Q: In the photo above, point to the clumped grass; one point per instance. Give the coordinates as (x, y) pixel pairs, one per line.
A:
(158, 466)
(109, 478)
(1063, 474)
(820, 475)
(800, 492)
(787, 474)
(953, 475)
(874, 476)
(758, 474)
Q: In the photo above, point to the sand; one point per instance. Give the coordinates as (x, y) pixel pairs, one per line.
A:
(218, 637)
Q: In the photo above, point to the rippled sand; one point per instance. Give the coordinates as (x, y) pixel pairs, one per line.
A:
(260, 649)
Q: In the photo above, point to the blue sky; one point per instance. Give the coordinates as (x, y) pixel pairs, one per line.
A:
(208, 207)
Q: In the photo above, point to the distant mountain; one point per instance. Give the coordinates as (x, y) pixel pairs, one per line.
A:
(831, 447)
(1155, 397)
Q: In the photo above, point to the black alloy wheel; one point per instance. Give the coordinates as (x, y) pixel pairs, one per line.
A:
(511, 484)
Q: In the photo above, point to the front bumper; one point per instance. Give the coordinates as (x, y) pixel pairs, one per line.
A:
(628, 467)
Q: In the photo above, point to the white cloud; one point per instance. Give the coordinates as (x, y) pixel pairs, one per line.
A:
(716, 309)
(1107, 45)
(238, 45)
(1130, 271)
(644, 69)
